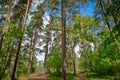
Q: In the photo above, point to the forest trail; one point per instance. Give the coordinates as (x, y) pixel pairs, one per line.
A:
(36, 77)
(81, 77)
(45, 77)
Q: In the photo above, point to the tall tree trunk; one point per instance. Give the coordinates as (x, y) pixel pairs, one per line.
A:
(20, 42)
(2, 37)
(31, 56)
(8, 57)
(108, 24)
(73, 53)
(114, 17)
(64, 70)
(47, 41)
(5, 23)
(84, 46)
(46, 51)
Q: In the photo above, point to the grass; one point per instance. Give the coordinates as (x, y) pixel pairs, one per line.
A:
(96, 76)
(56, 76)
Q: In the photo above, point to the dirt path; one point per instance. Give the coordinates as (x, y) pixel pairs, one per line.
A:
(36, 77)
(45, 77)
(81, 77)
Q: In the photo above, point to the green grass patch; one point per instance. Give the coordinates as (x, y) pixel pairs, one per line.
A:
(96, 76)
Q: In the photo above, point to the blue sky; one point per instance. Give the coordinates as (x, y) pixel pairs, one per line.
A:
(88, 10)
(84, 10)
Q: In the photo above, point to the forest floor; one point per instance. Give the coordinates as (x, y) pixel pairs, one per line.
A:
(46, 77)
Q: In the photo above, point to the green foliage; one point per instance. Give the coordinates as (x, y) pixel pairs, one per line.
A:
(102, 66)
(54, 60)
(56, 76)
(115, 68)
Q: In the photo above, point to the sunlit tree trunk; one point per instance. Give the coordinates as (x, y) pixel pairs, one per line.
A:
(20, 42)
(47, 41)
(46, 51)
(84, 46)
(73, 53)
(64, 70)
(31, 56)
(5, 23)
(2, 37)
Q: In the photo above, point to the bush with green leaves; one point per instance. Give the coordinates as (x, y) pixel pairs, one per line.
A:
(54, 60)
(102, 66)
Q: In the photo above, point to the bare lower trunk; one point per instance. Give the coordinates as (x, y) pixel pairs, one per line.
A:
(64, 70)
(20, 42)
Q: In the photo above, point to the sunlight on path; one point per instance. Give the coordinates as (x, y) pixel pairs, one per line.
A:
(81, 77)
(36, 77)
(45, 77)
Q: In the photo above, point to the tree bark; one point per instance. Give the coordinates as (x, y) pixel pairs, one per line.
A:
(73, 53)
(5, 23)
(2, 37)
(64, 72)
(47, 41)
(31, 56)
(20, 42)
(46, 51)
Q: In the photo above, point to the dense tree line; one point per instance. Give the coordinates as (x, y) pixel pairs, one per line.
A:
(23, 39)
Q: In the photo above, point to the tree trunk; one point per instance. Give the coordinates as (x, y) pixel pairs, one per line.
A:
(114, 17)
(47, 41)
(64, 72)
(8, 57)
(73, 53)
(5, 23)
(20, 42)
(2, 37)
(108, 24)
(31, 56)
(46, 51)
(84, 46)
